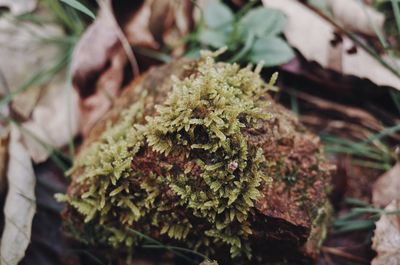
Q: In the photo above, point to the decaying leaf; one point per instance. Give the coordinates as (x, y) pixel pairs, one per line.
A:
(387, 187)
(137, 28)
(55, 120)
(386, 240)
(315, 38)
(24, 53)
(356, 16)
(20, 203)
(170, 21)
(19, 7)
(92, 62)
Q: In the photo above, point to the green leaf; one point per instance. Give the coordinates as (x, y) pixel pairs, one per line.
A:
(80, 7)
(272, 50)
(216, 15)
(263, 22)
(215, 39)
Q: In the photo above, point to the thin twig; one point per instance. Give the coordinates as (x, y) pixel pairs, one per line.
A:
(340, 253)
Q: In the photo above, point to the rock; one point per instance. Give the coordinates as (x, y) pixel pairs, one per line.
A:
(217, 167)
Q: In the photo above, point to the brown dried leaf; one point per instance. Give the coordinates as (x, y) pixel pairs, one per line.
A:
(387, 187)
(170, 21)
(312, 36)
(137, 28)
(20, 203)
(386, 240)
(93, 52)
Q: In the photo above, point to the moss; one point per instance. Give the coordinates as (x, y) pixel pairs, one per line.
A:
(201, 118)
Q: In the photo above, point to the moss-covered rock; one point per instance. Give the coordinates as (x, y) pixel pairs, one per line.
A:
(205, 160)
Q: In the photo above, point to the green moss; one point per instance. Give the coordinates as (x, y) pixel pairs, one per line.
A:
(201, 119)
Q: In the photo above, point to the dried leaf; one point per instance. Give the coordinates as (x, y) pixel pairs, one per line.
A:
(387, 187)
(91, 62)
(55, 120)
(20, 203)
(19, 7)
(137, 28)
(386, 240)
(356, 16)
(170, 22)
(23, 54)
(312, 36)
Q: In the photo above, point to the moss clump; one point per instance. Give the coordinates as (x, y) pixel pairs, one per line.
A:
(202, 119)
(190, 170)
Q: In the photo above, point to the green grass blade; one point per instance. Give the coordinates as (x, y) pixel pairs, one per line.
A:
(356, 225)
(80, 7)
(396, 11)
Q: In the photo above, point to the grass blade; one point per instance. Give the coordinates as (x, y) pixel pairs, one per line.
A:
(80, 7)
(396, 11)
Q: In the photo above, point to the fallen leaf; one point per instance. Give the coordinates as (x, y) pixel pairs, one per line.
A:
(55, 120)
(25, 102)
(48, 245)
(137, 28)
(313, 36)
(387, 187)
(355, 15)
(23, 54)
(170, 22)
(386, 240)
(19, 7)
(20, 203)
(90, 62)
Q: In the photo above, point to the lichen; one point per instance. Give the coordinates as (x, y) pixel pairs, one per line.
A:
(202, 121)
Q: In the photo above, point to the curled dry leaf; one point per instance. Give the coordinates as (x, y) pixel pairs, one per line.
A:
(20, 203)
(356, 16)
(19, 7)
(387, 187)
(386, 240)
(315, 38)
(137, 28)
(97, 69)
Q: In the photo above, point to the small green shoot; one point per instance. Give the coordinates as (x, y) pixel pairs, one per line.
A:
(251, 35)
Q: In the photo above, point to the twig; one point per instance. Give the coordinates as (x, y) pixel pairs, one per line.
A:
(340, 253)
